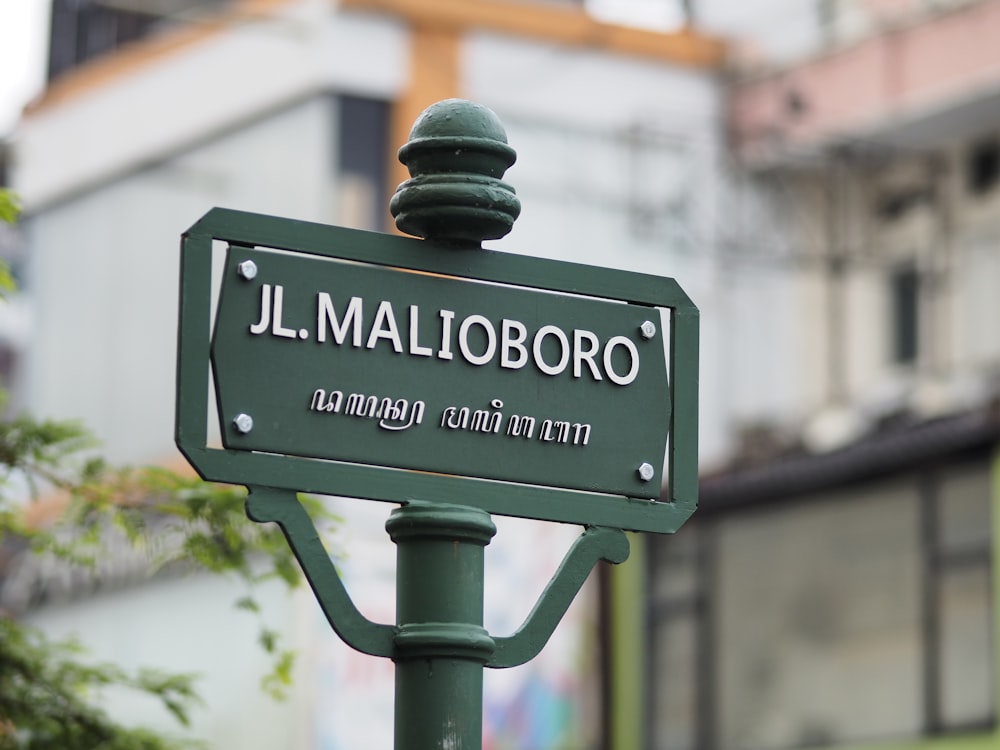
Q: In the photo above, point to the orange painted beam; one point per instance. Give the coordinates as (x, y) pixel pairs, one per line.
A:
(560, 24)
(434, 75)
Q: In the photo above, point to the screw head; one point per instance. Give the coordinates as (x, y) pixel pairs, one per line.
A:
(647, 329)
(243, 423)
(646, 471)
(247, 269)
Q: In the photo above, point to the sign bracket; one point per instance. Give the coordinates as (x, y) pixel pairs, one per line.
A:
(269, 505)
(595, 544)
(266, 504)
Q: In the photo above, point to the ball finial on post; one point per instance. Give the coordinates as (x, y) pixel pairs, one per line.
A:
(456, 155)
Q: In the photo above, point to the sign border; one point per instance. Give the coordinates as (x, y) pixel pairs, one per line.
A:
(390, 484)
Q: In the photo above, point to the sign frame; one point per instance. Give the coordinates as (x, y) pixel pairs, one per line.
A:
(397, 485)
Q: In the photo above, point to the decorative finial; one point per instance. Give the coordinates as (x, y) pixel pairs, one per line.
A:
(456, 155)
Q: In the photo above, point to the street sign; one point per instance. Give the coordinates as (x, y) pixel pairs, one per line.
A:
(382, 366)
(377, 366)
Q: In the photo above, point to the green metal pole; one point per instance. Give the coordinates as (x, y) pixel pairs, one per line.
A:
(441, 646)
(456, 155)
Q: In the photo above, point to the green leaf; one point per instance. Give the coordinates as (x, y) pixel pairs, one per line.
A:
(248, 603)
(7, 284)
(276, 683)
(268, 640)
(10, 206)
(45, 689)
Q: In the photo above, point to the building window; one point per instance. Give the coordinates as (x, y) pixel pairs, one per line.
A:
(362, 165)
(957, 522)
(904, 294)
(81, 30)
(983, 166)
(896, 203)
(856, 616)
(677, 613)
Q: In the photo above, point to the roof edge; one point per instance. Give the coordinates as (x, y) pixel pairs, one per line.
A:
(570, 26)
(906, 448)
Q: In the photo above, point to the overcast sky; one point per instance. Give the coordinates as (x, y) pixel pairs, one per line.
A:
(23, 32)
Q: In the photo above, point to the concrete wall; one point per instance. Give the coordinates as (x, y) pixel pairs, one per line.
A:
(104, 271)
(188, 625)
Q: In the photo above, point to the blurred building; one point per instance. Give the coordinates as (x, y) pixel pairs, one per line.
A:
(838, 585)
(157, 111)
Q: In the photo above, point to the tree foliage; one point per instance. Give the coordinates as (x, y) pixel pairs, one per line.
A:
(9, 206)
(50, 692)
(9, 209)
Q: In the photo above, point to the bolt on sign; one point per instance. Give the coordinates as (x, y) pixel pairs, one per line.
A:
(371, 365)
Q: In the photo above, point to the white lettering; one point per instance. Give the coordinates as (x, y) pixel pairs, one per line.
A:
(536, 350)
(581, 355)
(446, 317)
(327, 316)
(415, 348)
(265, 311)
(463, 340)
(512, 336)
(552, 348)
(609, 349)
(384, 327)
(279, 301)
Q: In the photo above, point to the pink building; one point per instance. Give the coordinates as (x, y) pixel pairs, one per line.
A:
(838, 585)
(913, 78)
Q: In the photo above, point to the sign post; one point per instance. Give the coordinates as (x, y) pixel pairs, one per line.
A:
(452, 380)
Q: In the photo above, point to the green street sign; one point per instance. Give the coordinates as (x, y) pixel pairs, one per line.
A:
(376, 366)
(382, 366)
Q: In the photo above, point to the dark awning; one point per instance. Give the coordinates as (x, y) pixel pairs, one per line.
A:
(881, 453)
